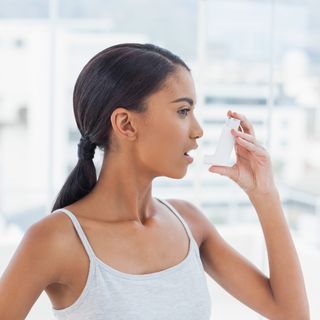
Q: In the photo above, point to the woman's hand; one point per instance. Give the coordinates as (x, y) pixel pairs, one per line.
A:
(253, 169)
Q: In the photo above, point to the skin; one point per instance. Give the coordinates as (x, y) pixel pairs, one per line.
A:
(152, 151)
(132, 232)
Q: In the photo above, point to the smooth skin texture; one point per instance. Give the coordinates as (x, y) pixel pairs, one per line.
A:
(132, 232)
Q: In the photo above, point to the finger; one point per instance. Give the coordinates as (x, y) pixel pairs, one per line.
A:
(243, 135)
(244, 122)
(249, 146)
(242, 152)
(242, 158)
(224, 171)
(246, 144)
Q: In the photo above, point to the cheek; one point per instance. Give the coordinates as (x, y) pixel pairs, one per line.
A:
(161, 153)
(162, 140)
(155, 144)
(150, 141)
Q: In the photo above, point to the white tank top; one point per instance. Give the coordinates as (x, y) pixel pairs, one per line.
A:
(177, 293)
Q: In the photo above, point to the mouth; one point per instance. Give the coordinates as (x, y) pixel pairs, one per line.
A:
(189, 155)
(191, 151)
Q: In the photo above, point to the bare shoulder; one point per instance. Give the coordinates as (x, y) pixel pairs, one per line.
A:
(51, 226)
(52, 229)
(47, 238)
(39, 260)
(197, 221)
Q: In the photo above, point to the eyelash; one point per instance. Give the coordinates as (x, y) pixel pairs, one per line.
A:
(185, 109)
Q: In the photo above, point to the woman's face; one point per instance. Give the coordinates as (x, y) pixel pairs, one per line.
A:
(168, 129)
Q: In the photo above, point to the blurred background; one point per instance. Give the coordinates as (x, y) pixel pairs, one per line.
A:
(260, 58)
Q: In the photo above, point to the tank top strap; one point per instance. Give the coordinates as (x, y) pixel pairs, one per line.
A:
(186, 226)
(80, 232)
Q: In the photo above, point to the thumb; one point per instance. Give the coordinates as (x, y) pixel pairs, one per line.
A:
(223, 171)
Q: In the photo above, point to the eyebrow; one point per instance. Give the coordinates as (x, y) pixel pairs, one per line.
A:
(190, 101)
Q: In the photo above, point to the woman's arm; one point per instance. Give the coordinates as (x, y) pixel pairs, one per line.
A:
(283, 296)
(286, 279)
(237, 275)
(31, 269)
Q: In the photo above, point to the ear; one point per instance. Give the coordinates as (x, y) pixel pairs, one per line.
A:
(123, 123)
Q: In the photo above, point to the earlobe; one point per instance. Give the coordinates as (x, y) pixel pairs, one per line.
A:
(122, 123)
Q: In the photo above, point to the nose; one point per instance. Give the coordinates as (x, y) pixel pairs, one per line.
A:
(197, 131)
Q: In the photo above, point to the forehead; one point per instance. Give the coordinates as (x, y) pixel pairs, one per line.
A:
(177, 85)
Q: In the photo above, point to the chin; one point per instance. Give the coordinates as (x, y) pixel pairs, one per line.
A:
(178, 174)
(174, 172)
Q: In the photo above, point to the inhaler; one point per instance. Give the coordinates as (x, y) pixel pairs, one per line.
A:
(225, 145)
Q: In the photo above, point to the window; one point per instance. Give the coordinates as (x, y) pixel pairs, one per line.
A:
(259, 58)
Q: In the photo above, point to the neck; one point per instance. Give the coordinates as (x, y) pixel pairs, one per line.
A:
(122, 193)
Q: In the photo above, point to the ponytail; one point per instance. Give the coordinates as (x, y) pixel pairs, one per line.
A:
(123, 75)
(82, 178)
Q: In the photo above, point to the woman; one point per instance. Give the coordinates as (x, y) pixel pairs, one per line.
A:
(111, 250)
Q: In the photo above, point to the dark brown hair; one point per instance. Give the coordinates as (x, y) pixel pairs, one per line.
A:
(121, 75)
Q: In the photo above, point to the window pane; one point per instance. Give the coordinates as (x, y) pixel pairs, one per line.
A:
(162, 21)
(24, 9)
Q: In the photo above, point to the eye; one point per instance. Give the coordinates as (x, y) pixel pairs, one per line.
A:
(184, 112)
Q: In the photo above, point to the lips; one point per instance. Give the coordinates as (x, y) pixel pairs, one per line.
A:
(188, 157)
(190, 150)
